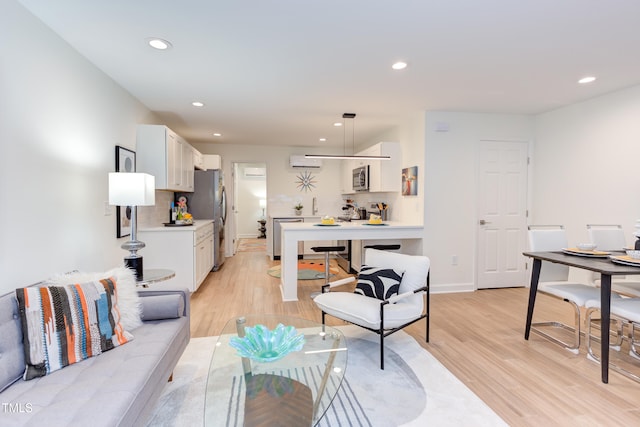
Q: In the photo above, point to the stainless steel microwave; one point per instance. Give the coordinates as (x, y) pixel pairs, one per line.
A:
(361, 178)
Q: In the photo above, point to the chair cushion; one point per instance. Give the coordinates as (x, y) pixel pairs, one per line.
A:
(575, 292)
(380, 283)
(62, 325)
(365, 311)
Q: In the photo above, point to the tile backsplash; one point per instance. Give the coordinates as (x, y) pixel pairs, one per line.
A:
(155, 216)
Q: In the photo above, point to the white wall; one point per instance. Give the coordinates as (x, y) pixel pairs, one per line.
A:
(586, 159)
(410, 135)
(60, 119)
(450, 193)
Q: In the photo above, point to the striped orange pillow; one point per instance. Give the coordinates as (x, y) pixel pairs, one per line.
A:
(62, 325)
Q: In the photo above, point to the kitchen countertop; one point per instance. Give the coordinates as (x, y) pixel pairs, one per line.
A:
(293, 232)
(197, 224)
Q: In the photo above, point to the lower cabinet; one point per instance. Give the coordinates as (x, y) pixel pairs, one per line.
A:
(186, 250)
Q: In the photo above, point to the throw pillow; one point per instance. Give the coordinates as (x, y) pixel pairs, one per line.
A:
(376, 282)
(127, 298)
(62, 325)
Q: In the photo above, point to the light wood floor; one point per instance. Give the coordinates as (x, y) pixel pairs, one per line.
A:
(478, 336)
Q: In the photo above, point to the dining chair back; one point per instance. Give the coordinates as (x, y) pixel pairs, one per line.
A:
(610, 237)
(607, 237)
(544, 238)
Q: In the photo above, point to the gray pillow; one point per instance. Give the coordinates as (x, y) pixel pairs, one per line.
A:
(159, 307)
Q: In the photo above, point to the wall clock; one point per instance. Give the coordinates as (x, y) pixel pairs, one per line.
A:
(305, 181)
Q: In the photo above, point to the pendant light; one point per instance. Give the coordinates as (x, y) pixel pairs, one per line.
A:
(345, 156)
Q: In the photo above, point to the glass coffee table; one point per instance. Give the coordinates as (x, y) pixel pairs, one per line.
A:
(295, 390)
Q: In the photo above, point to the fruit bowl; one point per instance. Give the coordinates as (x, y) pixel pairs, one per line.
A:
(634, 254)
(586, 246)
(264, 345)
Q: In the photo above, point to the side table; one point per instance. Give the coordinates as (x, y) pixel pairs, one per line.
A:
(154, 275)
(262, 229)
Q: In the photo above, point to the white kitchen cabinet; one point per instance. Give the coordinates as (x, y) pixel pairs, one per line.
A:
(198, 160)
(165, 155)
(212, 161)
(384, 175)
(186, 250)
(187, 168)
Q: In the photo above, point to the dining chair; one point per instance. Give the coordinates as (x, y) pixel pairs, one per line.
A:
(392, 293)
(611, 237)
(554, 281)
(625, 312)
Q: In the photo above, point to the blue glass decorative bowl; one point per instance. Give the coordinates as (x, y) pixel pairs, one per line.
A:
(264, 345)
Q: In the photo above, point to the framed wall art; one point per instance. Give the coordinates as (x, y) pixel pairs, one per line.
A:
(125, 162)
(410, 181)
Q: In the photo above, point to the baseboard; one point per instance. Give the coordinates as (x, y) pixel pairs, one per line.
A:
(447, 288)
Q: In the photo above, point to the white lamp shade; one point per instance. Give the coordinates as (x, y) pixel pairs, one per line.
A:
(132, 189)
(263, 203)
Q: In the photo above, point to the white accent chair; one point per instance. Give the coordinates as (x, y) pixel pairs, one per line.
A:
(610, 237)
(554, 281)
(383, 317)
(626, 312)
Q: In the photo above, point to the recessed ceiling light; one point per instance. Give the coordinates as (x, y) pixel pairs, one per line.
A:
(586, 80)
(159, 44)
(337, 124)
(217, 134)
(400, 65)
(197, 104)
(323, 139)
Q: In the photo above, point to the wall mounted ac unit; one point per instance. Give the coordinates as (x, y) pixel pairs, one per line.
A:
(298, 161)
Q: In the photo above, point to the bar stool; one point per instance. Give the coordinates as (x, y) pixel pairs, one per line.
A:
(325, 275)
(384, 247)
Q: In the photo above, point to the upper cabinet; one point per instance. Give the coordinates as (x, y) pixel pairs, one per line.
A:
(198, 159)
(212, 161)
(165, 155)
(384, 175)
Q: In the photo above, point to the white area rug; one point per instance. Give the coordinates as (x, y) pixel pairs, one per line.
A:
(413, 390)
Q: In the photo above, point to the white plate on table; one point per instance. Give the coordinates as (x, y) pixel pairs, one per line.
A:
(327, 225)
(625, 260)
(589, 254)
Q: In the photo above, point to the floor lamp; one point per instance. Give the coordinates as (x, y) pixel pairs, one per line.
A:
(132, 189)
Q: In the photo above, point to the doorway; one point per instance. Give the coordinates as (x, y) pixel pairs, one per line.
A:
(502, 214)
(249, 200)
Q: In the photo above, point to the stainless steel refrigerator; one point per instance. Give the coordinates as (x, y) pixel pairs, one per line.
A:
(208, 201)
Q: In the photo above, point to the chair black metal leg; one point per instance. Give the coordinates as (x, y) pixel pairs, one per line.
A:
(381, 332)
(428, 303)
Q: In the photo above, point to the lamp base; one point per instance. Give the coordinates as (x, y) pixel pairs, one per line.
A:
(134, 264)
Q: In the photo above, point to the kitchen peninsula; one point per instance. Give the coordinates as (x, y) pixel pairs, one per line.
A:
(292, 233)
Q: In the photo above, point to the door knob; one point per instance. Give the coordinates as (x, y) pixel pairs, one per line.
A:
(483, 222)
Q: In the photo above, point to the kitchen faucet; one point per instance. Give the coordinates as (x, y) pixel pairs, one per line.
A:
(314, 208)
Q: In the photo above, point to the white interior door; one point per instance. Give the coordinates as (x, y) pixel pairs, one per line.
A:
(502, 214)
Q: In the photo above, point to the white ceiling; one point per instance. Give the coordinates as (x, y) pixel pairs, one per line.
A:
(283, 71)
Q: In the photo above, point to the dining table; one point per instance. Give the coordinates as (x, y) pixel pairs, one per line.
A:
(598, 264)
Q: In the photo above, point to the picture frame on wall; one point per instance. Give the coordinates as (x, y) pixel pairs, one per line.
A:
(410, 181)
(125, 162)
